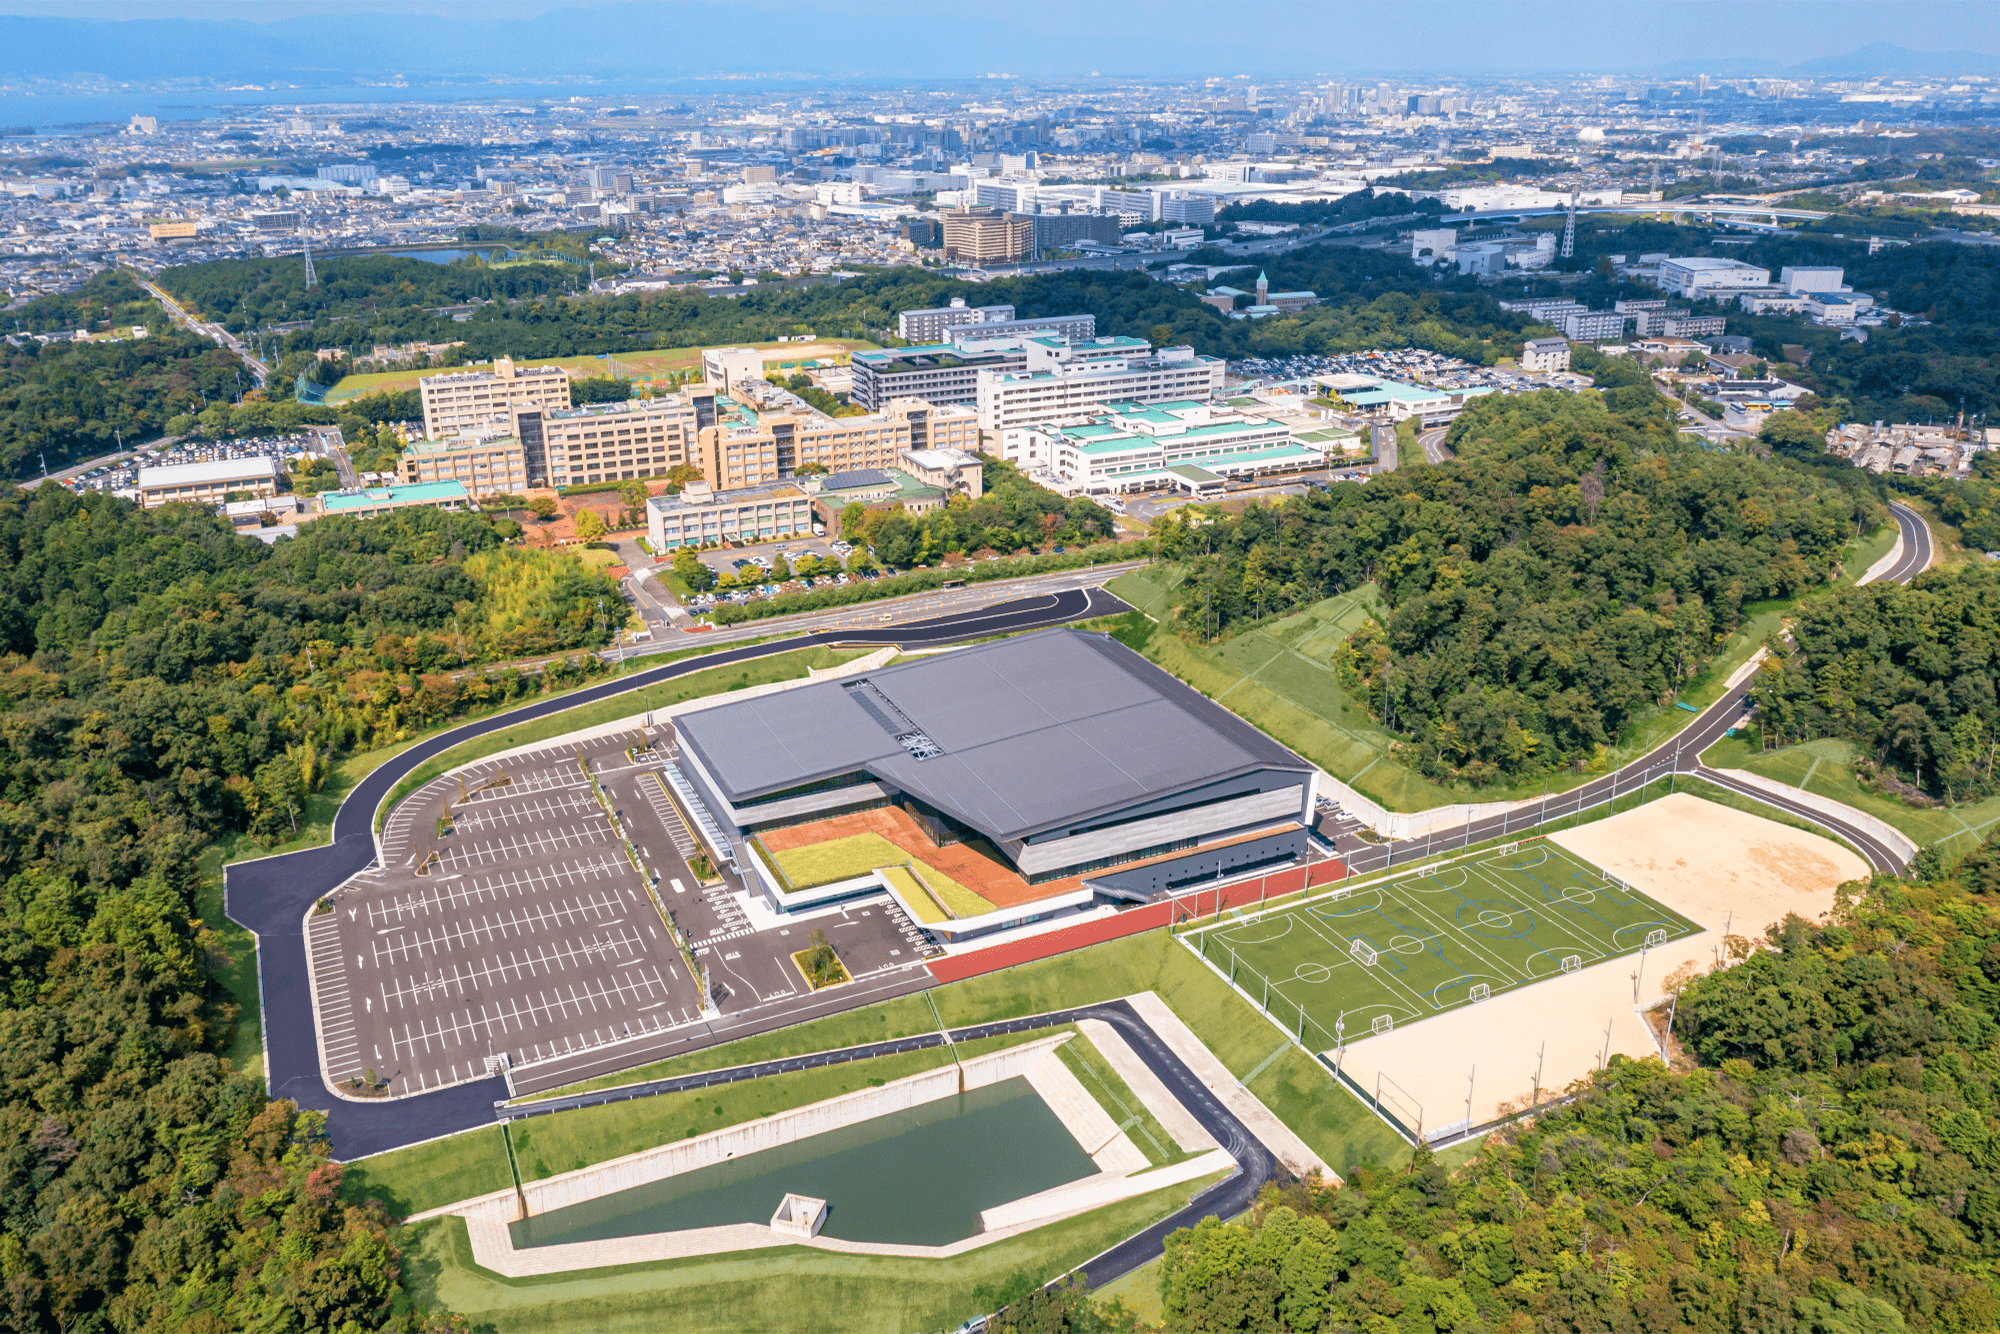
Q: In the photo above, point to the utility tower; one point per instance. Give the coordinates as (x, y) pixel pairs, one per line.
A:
(312, 278)
(1653, 193)
(1569, 227)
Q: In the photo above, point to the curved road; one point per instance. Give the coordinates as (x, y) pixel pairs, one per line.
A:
(271, 895)
(1225, 1199)
(1679, 755)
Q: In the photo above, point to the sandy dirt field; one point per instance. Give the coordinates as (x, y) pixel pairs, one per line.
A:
(1717, 866)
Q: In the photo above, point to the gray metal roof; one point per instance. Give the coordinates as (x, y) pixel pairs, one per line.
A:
(1031, 732)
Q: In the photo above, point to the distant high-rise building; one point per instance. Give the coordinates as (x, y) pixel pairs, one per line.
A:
(984, 237)
(145, 125)
(760, 175)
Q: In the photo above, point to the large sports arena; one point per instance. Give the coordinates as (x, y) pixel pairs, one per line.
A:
(991, 785)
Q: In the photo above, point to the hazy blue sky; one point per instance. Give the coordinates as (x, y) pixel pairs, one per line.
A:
(1165, 37)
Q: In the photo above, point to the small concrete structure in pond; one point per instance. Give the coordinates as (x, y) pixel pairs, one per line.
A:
(799, 1216)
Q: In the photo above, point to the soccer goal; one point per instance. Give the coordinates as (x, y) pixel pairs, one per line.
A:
(1572, 962)
(1507, 849)
(1423, 871)
(1481, 991)
(1363, 952)
(1383, 1023)
(1656, 938)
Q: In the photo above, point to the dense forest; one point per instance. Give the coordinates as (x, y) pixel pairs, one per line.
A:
(62, 402)
(110, 299)
(1579, 563)
(165, 682)
(1823, 1159)
(1372, 299)
(1908, 672)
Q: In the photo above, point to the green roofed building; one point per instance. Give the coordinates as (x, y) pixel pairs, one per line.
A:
(385, 499)
(1183, 445)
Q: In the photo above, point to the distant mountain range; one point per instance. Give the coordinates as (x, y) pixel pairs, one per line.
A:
(1877, 60)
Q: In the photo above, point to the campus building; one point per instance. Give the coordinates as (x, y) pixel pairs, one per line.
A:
(1390, 401)
(1049, 770)
(751, 446)
(616, 442)
(702, 516)
(207, 483)
(484, 460)
(948, 372)
(1187, 446)
(1064, 378)
(377, 500)
(460, 400)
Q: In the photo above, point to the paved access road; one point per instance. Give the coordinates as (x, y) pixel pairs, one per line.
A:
(272, 895)
(1226, 1198)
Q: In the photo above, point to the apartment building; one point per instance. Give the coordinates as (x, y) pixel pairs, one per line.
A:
(207, 483)
(1544, 354)
(617, 442)
(750, 446)
(459, 400)
(984, 237)
(935, 325)
(484, 460)
(1065, 378)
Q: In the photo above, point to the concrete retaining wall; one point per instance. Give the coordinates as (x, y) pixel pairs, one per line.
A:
(657, 1164)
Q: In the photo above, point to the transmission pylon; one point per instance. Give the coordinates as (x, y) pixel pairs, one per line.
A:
(312, 277)
(1569, 227)
(1653, 193)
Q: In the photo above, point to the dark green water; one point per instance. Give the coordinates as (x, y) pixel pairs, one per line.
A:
(916, 1177)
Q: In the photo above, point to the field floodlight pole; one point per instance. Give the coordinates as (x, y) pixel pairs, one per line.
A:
(1604, 1061)
(1469, 1079)
(1538, 1074)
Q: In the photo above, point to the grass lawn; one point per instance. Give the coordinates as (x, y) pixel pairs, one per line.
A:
(547, 1146)
(425, 1176)
(1118, 1100)
(775, 1291)
(913, 895)
(1865, 551)
(856, 855)
(642, 366)
(1296, 1087)
(1280, 678)
(898, 1018)
(790, 666)
(1485, 926)
(1824, 767)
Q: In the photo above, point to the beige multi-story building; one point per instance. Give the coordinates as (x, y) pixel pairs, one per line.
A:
(985, 237)
(208, 483)
(749, 447)
(485, 460)
(616, 442)
(460, 400)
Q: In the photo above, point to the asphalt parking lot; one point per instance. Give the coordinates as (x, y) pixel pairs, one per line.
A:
(521, 932)
(723, 559)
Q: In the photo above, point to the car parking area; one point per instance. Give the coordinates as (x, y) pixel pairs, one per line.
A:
(507, 921)
(506, 925)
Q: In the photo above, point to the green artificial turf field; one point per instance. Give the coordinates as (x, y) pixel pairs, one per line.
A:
(1348, 965)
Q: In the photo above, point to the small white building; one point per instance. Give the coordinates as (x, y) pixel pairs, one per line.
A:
(1539, 355)
(208, 483)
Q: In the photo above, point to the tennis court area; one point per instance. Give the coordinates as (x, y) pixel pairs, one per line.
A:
(1382, 956)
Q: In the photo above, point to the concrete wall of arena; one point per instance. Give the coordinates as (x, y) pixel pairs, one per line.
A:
(1180, 908)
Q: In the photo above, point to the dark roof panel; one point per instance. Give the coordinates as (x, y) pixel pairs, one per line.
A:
(1036, 731)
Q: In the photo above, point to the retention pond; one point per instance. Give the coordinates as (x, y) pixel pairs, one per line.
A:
(917, 1177)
